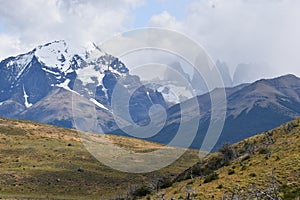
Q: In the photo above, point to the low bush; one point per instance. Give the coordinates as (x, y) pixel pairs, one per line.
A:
(263, 150)
(252, 175)
(230, 172)
(142, 191)
(211, 177)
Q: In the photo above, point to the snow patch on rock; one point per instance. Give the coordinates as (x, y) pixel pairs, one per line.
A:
(26, 103)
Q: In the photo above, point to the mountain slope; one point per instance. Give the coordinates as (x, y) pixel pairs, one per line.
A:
(40, 161)
(251, 109)
(263, 166)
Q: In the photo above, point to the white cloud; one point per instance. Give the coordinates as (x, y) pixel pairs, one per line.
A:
(243, 31)
(39, 21)
(165, 20)
(8, 45)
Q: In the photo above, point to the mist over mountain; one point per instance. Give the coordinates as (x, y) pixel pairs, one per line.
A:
(224, 72)
(244, 72)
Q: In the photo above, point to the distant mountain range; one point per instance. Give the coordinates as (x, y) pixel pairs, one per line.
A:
(251, 109)
(41, 86)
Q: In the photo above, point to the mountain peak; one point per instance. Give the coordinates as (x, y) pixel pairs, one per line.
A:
(288, 76)
(55, 42)
(55, 55)
(288, 80)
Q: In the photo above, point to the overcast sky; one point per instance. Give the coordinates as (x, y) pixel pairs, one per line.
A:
(234, 31)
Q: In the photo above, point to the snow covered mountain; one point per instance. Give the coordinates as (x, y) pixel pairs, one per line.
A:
(39, 85)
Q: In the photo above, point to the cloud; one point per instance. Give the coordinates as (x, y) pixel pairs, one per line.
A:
(9, 45)
(235, 31)
(34, 22)
(165, 20)
(243, 31)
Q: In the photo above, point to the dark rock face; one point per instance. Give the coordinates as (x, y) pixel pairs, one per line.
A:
(141, 103)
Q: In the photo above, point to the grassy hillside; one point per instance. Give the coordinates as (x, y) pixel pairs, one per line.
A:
(40, 161)
(261, 167)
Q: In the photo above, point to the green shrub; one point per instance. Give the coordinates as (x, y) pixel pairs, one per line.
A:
(190, 182)
(202, 171)
(244, 167)
(211, 177)
(217, 162)
(252, 175)
(290, 192)
(227, 151)
(142, 191)
(220, 186)
(166, 183)
(263, 150)
(230, 172)
(247, 157)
